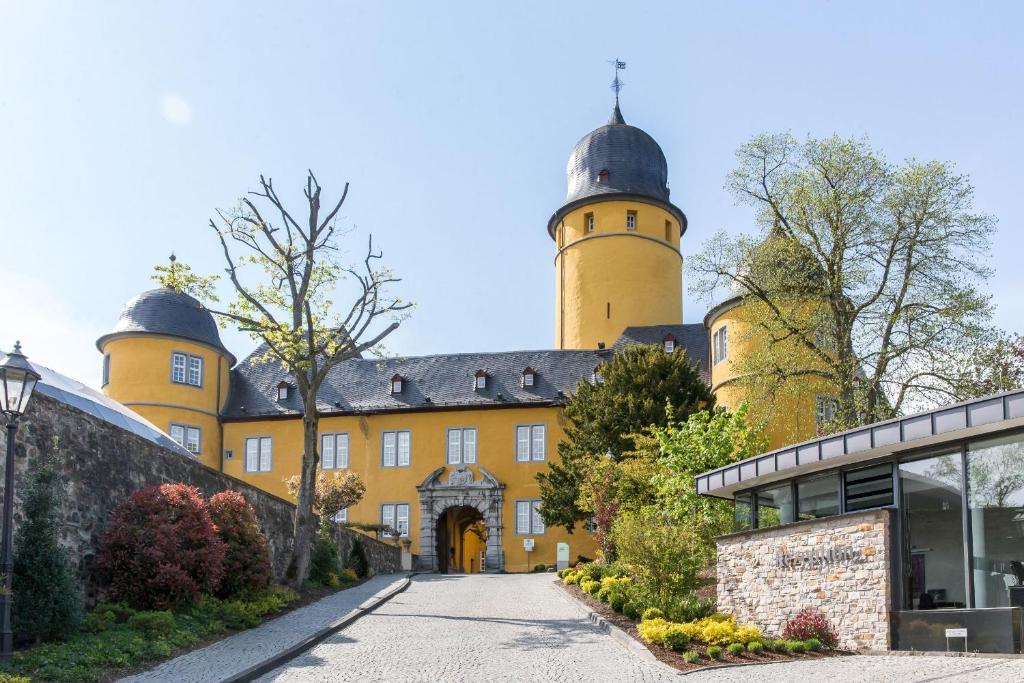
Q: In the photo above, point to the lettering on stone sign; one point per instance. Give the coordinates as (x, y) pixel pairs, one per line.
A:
(822, 557)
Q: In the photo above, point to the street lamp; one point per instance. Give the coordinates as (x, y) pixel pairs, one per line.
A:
(17, 380)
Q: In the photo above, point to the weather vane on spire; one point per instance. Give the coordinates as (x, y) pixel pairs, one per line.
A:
(617, 84)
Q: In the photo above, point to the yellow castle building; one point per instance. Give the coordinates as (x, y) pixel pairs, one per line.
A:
(449, 446)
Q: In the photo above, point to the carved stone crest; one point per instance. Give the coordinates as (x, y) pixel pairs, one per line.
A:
(461, 476)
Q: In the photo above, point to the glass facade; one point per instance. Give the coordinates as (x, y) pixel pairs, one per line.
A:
(995, 501)
(818, 496)
(868, 488)
(775, 506)
(932, 503)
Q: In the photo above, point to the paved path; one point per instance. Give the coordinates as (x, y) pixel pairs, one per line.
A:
(513, 627)
(247, 648)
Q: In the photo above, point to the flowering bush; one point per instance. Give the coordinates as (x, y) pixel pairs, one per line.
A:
(161, 549)
(246, 556)
(334, 491)
(811, 624)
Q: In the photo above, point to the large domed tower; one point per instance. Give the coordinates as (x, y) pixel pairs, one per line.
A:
(618, 262)
(164, 360)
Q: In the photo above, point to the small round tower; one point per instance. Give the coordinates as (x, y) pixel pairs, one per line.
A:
(618, 262)
(164, 360)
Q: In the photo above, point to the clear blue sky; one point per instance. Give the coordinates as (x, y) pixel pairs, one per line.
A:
(124, 124)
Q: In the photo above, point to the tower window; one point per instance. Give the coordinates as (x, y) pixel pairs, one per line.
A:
(187, 436)
(668, 231)
(608, 310)
(631, 220)
(602, 176)
(186, 369)
(720, 344)
(588, 219)
(106, 369)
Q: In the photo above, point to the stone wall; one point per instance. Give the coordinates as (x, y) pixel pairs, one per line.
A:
(839, 565)
(101, 465)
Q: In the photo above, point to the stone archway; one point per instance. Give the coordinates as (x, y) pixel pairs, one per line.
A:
(460, 489)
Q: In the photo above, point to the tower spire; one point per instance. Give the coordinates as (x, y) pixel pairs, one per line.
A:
(617, 86)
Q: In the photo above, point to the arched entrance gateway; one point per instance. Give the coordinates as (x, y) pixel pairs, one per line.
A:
(460, 513)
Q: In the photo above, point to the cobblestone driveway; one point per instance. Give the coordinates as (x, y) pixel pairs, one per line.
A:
(477, 628)
(521, 628)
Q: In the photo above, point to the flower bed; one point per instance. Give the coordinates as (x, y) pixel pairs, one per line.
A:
(713, 641)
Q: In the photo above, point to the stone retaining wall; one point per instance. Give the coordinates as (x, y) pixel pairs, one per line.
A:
(840, 566)
(101, 465)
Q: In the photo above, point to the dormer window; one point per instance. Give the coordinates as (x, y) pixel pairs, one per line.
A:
(283, 391)
(602, 176)
(480, 380)
(396, 384)
(631, 220)
(597, 377)
(668, 343)
(528, 377)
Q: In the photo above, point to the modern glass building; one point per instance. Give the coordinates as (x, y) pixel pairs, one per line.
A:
(954, 478)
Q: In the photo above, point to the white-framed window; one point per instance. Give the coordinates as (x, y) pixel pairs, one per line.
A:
(259, 456)
(631, 220)
(826, 409)
(596, 377)
(395, 516)
(334, 451)
(720, 344)
(461, 445)
(528, 519)
(106, 369)
(186, 369)
(531, 441)
(480, 380)
(395, 448)
(588, 220)
(342, 516)
(187, 436)
(282, 392)
(396, 385)
(528, 377)
(669, 345)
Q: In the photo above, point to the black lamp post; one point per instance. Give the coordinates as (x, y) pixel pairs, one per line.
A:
(17, 380)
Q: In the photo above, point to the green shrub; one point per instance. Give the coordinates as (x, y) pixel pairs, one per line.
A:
(653, 613)
(357, 559)
(95, 622)
(795, 647)
(571, 578)
(48, 600)
(778, 645)
(594, 588)
(348, 575)
(604, 594)
(693, 608)
(814, 645)
(539, 568)
(121, 611)
(154, 624)
(324, 562)
(690, 657)
(631, 610)
(592, 571)
(755, 646)
(617, 601)
(715, 651)
(676, 639)
(736, 649)
(9, 678)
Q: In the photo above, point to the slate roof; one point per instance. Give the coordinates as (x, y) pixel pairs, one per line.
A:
(364, 384)
(634, 161)
(167, 312)
(691, 337)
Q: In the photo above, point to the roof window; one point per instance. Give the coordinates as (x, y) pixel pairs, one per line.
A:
(396, 384)
(480, 380)
(528, 377)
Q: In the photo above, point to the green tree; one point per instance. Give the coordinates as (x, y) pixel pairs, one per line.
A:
(286, 279)
(892, 255)
(638, 383)
(47, 599)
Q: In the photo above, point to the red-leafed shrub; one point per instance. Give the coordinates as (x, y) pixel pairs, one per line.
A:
(246, 557)
(811, 624)
(161, 549)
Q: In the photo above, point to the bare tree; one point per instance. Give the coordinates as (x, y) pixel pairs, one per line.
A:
(866, 278)
(284, 271)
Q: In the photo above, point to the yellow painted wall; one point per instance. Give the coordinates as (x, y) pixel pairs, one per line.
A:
(496, 440)
(140, 378)
(636, 275)
(786, 418)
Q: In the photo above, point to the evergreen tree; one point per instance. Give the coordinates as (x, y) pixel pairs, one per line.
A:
(642, 386)
(47, 599)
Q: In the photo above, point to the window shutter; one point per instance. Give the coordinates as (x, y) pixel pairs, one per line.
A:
(538, 442)
(341, 451)
(178, 434)
(469, 445)
(252, 455)
(538, 522)
(523, 517)
(454, 446)
(389, 449)
(387, 515)
(522, 444)
(327, 452)
(266, 456)
(403, 448)
(402, 519)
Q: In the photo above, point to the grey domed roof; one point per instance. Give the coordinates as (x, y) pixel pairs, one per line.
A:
(617, 159)
(167, 312)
